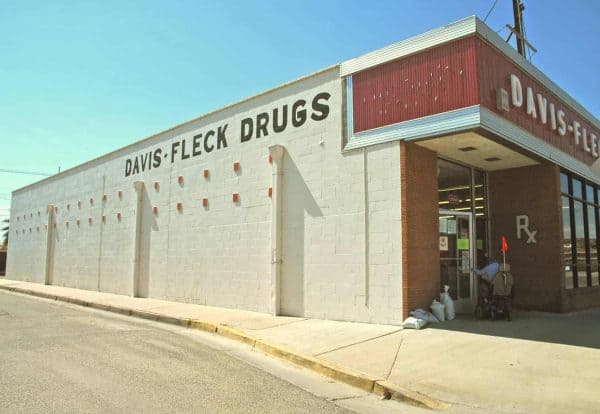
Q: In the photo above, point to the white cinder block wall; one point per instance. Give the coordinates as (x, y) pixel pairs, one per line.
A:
(340, 218)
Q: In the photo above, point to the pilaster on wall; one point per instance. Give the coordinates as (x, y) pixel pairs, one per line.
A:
(536, 267)
(49, 268)
(420, 254)
(276, 152)
(139, 189)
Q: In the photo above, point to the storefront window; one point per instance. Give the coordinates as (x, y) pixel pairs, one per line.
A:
(580, 244)
(454, 183)
(564, 183)
(577, 188)
(567, 245)
(589, 193)
(580, 231)
(593, 255)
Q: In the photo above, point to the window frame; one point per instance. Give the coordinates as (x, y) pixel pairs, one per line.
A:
(586, 200)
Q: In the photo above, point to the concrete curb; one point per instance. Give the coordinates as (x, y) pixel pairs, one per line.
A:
(203, 326)
(394, 391)
(233, 333)
(356, 379)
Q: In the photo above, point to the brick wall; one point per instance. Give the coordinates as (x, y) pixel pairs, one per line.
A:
(420, 226)
(536, 267)
(581, 298)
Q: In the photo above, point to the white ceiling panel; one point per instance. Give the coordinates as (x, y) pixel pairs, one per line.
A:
(487, 155)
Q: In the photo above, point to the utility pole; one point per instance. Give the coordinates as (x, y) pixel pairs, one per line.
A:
(518, 8)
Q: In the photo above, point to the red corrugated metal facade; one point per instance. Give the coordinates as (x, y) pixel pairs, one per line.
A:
(494, 72)
(437, 80)
(455, 75)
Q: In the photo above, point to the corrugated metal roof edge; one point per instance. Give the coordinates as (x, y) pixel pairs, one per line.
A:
(158, 135)
(465, 27)
(415, 44)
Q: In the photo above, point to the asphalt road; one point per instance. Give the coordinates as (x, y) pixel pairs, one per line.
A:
(57, 358)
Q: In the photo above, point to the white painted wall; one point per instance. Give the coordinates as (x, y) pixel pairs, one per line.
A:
(220, 255)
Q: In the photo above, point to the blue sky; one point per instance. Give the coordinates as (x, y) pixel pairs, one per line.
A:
(81, 78)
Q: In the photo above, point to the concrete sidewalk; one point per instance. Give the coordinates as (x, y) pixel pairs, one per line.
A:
(537, 363)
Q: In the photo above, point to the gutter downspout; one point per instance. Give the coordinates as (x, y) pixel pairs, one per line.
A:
(276, 152)
(48, 272)
(139, 189)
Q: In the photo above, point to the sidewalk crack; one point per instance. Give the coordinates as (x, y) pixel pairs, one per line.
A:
(278, 325)
(395, 359)
(345, 398)
(356, 343)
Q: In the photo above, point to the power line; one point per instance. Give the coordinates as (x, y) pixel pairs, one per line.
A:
(4, 170)
(490, 11)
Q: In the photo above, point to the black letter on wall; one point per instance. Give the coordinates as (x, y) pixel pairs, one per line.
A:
(221, 139)
(298, 116)
(157, 158)
(262, 120)
(208, 148)
(276, 127)
(127, 167)
(319, 107)
(174, 151)
(247, 127)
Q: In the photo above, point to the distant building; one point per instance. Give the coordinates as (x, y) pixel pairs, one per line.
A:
(354, 193)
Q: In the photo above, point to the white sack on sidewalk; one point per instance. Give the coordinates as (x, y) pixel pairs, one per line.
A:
(413, 323)
(448, 302)
(423, 314)
(438, 310)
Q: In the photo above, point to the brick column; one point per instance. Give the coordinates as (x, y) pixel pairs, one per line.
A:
(420, 229)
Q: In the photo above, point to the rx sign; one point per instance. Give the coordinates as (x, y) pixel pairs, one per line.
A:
(523, 227)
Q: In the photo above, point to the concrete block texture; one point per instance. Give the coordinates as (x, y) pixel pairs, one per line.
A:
(340, 219)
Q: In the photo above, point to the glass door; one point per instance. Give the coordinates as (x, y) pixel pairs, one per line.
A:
(456, 257)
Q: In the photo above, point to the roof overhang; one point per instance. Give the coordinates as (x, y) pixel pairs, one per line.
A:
(384, 118)
(486, 124)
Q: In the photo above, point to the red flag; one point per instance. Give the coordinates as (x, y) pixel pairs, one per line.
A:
(504, 244)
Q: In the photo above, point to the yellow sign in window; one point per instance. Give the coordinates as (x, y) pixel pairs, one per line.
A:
(462, 244)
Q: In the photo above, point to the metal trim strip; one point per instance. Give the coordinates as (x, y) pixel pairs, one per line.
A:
(466, 119)
(411, 45)
(518, 136)
(349, 108)
(444, 123)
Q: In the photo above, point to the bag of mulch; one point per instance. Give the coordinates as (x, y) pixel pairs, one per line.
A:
(438, 309)
(448, 303)
(423, 314)
(413, 323)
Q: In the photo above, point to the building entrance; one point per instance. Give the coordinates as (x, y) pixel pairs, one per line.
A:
(463, 229)
(456, 257)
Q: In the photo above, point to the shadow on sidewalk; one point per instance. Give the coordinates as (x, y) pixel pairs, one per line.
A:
(577, 328)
